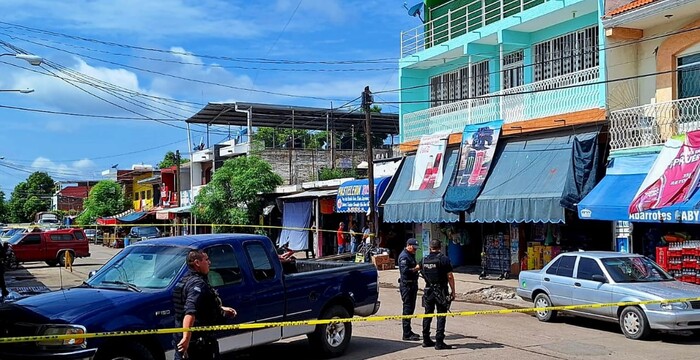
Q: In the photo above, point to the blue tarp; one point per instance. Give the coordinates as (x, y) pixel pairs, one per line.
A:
(134, 216)
(419, 206)
(296, 215)
(353, 195)
(611, 198)
(527, 181)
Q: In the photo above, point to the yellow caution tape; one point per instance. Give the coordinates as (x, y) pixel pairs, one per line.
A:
(249, 326)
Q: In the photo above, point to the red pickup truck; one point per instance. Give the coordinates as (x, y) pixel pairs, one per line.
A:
(50, 246)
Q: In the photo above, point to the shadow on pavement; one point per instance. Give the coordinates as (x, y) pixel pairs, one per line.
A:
(671, 337)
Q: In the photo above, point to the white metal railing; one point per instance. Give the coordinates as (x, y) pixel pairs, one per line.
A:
(653, 124)
(456, 22)
(560, 95)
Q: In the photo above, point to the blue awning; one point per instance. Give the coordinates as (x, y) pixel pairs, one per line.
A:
(353, 195)
(611, 198)
(134, 216)
(419, 206)
(527, 181)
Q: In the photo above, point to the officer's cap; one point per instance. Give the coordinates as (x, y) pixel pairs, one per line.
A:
(412, 241)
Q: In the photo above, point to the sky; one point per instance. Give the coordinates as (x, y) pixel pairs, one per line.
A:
(119, 78)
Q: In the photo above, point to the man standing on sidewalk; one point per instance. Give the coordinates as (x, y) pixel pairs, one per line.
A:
(408, 284)
(437, 271)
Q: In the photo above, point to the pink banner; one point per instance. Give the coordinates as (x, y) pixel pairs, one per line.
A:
(677, 182)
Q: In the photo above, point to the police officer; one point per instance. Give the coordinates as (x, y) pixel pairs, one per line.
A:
(4, 249)
(408, 284)
(197, 304)
(437, 271)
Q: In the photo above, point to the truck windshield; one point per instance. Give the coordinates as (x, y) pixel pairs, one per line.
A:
(15, 238)
(634, 269)
(141, 267)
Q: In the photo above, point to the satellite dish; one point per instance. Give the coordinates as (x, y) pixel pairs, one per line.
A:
(414, 10)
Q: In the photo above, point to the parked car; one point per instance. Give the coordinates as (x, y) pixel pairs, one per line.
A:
(50, 246)
(133, 291)
(138, 233)
(603, 277)
(94, 235)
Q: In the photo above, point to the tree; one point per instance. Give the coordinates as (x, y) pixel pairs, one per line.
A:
(30, 197)
(106, 198)
(170, 160)
(232, 196)
(3, 209)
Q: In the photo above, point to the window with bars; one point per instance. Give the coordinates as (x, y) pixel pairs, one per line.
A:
(513, 70)
(566, 54)
(456, 85)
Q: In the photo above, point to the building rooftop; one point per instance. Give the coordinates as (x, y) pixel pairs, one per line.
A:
(628, 7)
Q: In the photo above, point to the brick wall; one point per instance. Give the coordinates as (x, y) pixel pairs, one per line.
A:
(305, 164)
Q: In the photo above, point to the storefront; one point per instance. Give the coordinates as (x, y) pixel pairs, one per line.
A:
(306, 210)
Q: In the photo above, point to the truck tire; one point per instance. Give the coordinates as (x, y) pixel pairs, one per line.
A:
(634, 323)
(543, 300)
(125, 351)
(332, 340)
(62, 258)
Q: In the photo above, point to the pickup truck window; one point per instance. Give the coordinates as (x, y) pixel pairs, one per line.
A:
(224, 269)
(79, 235)
(587, 268)
(141, 267)
(62, 237)
(260, 262)
(33, 239)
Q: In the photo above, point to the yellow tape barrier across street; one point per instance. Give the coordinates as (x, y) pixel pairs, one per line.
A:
(249, 326)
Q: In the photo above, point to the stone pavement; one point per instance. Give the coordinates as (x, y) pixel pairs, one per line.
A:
(470, 288)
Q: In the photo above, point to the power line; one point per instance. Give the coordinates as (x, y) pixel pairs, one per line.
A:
(226, 58)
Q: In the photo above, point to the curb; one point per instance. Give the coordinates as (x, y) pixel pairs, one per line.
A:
(474, 296)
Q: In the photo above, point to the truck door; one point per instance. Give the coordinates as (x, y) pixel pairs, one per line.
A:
(226, 277)
(268, 290)
(30, 248)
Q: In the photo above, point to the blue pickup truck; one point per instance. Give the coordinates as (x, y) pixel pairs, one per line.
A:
(133, 291)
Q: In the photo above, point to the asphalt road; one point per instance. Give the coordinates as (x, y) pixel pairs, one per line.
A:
(515, 336)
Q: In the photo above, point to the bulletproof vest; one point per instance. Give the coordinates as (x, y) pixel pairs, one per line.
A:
(179, 298)
(431, 270)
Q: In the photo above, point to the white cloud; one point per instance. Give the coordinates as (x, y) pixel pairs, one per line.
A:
(77, 170)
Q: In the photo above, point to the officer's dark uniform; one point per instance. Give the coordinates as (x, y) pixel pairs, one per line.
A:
(194, 296)
(3, 257)
(409, 288)
(435, 268)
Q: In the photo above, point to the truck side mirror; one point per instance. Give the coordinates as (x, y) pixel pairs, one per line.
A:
(92, 273)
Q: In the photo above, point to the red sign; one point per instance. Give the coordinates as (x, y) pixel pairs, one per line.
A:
(678, 180)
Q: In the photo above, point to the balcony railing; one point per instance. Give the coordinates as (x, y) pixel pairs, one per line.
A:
(653, 124)
(456, 22)
(560, 95)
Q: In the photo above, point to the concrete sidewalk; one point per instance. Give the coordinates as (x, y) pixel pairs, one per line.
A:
(470, 288)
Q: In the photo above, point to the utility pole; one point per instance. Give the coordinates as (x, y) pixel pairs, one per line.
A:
(367, 101)
(177, 176)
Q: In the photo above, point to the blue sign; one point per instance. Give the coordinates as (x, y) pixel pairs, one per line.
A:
(353, 196)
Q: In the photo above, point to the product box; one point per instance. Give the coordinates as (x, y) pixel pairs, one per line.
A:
(379, 260)
(546, 255)
(662, 256)
(387, 266)
(539, 250)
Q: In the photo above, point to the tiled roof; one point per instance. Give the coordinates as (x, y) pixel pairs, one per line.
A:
(630, 6)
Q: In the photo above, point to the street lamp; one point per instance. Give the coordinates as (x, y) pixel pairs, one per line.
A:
(31, 59)
(22, 91)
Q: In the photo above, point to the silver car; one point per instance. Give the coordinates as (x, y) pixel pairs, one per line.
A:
(603, 277)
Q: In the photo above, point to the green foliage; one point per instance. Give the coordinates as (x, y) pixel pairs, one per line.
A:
(232, 195)
(4, 216)
(30, 197)
(335, 173)
(106, 198)
(170, 159)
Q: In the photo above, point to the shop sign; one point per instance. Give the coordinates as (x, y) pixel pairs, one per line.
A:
(428, 166)
(681, 216)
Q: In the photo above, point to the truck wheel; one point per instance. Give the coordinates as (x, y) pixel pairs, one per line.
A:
(125, 351)
(62, 259)
(542, 300)
(634, 324)
(52, 263)
(331, 340)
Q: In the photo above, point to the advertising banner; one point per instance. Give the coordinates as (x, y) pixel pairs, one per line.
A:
(475, 157)
(428, 166)
(678, 180)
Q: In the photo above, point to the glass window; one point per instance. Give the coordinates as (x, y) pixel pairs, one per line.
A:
(552, 270)
(224, 268)
(260, 262)
(634, 269)
(566, 54)
(688, 78)
(32, 239)
(456, 85)
(79, 235)
(143, 195)
(566, 266)
(587, 268)
(142, 267)
(148, 194)
(136, 196)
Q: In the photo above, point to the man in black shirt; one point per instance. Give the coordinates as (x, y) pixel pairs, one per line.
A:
(197, 304)
(408, 284)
